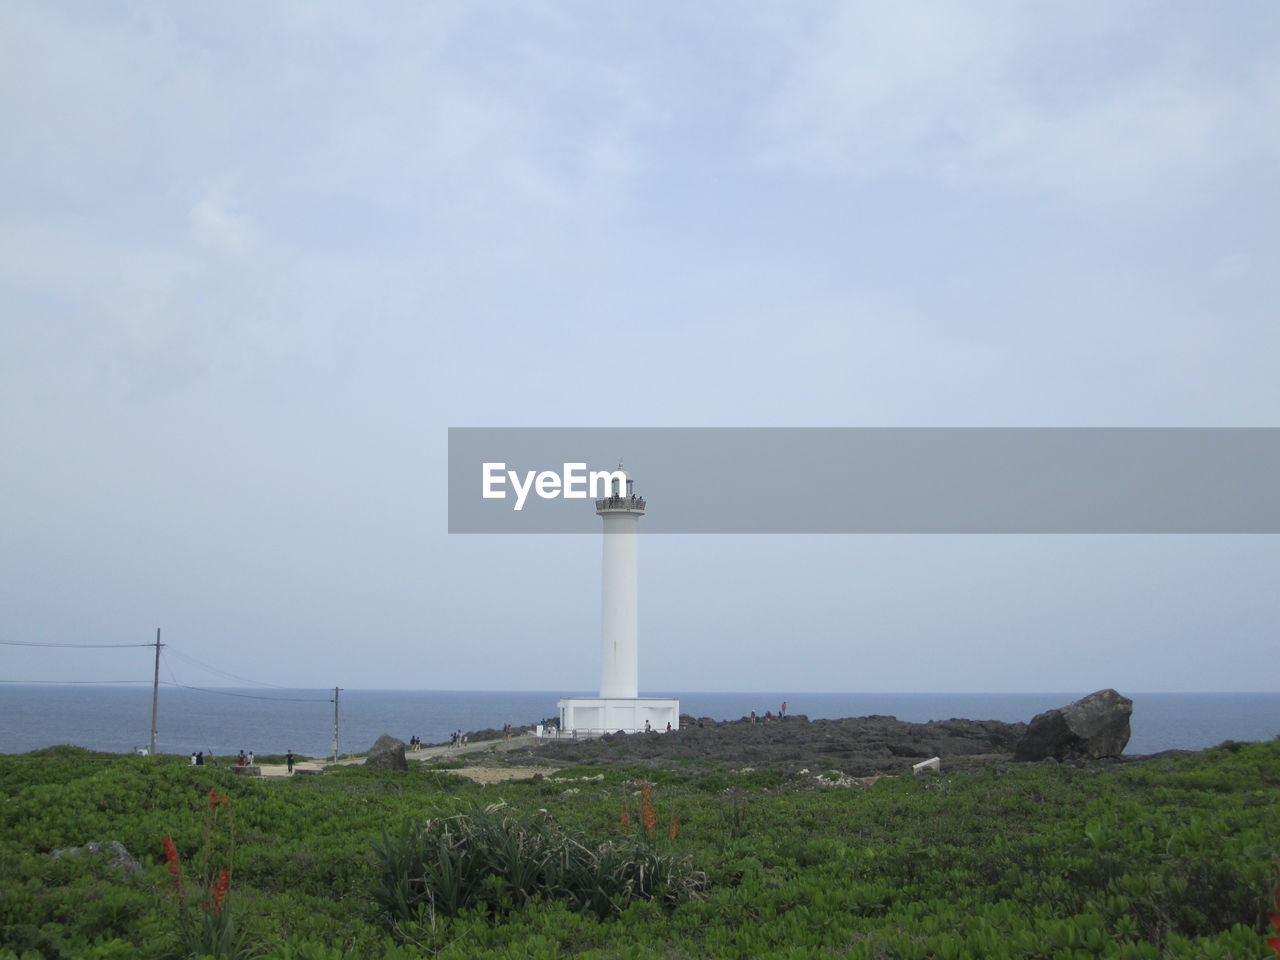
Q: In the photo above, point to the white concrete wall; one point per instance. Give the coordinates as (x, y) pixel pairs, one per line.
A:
(603, 715)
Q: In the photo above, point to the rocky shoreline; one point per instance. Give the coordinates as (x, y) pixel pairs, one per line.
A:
(862, 746)
(1093, 729)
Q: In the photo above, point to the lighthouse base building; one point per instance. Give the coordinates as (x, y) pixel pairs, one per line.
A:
(596, 715)
(619, 707)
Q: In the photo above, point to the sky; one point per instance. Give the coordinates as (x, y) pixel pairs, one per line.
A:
(255, 260)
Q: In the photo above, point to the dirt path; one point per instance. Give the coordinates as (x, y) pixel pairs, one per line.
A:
(480, 774)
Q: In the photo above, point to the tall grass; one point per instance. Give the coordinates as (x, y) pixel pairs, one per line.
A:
(497, 860)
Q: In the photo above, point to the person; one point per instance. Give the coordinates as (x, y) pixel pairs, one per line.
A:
(288, 760)
(200, 758)
(251, 758)
(753, 716)
(193, 759)
(668, 726)
(240, 759)
(646, 726)
(783, 711)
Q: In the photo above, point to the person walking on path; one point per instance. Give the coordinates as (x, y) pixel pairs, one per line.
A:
(288, 760)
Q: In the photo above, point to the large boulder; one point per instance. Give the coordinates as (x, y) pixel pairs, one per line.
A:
(1092, 728)
(114, 853)
(387, 753)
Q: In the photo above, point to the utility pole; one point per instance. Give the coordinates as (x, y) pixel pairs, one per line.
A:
(155, 697)
(336, 691)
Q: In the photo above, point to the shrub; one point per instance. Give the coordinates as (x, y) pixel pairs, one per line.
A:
(497, 860)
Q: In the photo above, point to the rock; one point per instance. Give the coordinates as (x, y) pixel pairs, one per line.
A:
(860, 747)
(1092, 728)
(387, 753)
(248, 771)
(933, 763)
(115, 853)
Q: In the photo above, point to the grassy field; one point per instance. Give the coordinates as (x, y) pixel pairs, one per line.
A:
(1164, 858)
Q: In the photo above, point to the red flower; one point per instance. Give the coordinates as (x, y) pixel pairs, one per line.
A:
(171, 855)
(213, 798)
(220, 888)
(1274, 919)
(175, 868)
(675, 825)
(218, 892)
(646, 809)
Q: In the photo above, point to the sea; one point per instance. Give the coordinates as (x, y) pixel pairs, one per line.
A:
(117, 719)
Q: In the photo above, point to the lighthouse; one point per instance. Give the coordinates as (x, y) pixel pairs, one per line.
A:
(619, 594)
(619, 707)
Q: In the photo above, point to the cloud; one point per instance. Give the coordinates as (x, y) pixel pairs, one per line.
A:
(1115, 105)
(217, 226)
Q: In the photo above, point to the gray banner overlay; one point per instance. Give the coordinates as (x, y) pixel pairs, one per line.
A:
(854, 480)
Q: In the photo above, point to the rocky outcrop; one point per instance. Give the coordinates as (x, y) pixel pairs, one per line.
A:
(115, 853)
(387, 753)
(862, 746)
(1093, 728)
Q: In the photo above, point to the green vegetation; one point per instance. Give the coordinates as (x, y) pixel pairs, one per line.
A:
(499, 861)
(1166, 858)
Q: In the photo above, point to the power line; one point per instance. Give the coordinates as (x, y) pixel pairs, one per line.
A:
(222, 673)
(171, 683)
(74, 646)
(246, 696)
(69, 682)
(168, 683)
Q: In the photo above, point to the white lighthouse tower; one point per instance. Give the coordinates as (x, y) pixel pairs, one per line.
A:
(619, 706)
(619, 613)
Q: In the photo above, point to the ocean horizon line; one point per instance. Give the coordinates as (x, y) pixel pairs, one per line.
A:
(643, 694)
(118, 718)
